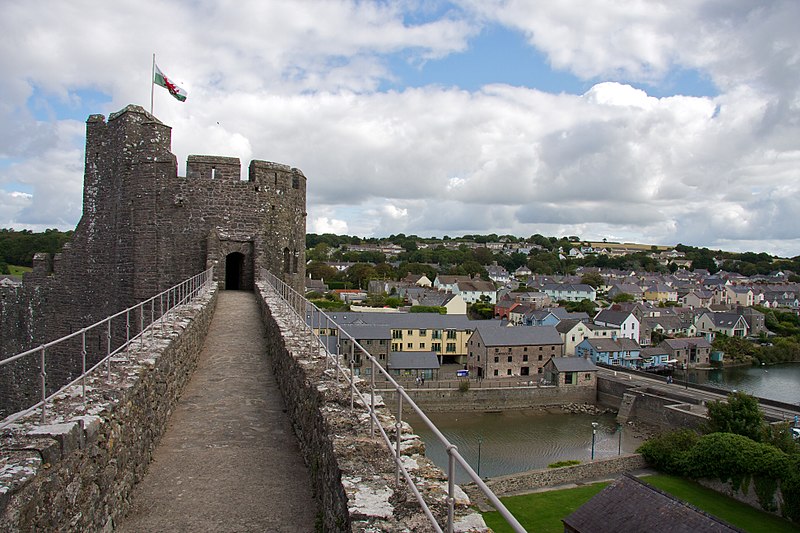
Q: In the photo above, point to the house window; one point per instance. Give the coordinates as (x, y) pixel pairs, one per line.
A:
(540, 357)
(422, 345)
(541, 348)
(569, 378)
(423, 333)
(451, 334)
(496, 350)
(496, 372)
(509, 359)
(540, 370)
(436, 346)
(508, 372)
(411, 332)
(397, 334)
(451, 347)
(525, 358)
(496, 359)
(588, 377)
(410, 345)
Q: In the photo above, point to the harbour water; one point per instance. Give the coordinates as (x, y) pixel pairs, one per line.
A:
(515, 441)
(776, 382)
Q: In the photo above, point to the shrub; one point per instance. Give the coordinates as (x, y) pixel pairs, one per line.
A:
(463, 385)
(668, 451)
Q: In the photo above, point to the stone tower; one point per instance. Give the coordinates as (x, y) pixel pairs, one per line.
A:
(144, 229)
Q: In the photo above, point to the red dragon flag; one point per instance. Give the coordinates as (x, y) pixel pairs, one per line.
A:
(174, 90)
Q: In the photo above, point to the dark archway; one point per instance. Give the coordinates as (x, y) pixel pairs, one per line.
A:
(234, 263)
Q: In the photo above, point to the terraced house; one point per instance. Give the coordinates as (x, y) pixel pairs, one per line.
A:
(445, 335)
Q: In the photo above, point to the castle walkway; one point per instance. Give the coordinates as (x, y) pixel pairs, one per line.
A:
(229, 460)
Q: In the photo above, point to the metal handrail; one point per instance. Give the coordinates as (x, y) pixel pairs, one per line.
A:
(308, 314)
(149, 314)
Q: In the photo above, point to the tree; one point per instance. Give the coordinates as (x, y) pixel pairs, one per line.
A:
(320, 252)
(740, 414)
(592, 278)
(622, 297)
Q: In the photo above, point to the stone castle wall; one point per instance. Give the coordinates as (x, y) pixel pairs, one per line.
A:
(143, 230)
(76, 473)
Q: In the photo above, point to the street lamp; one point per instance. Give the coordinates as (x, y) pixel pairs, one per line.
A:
(594, 434)
(480, 441)
(686, 375)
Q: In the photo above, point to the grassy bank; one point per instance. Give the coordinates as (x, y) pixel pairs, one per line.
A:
(543, 511)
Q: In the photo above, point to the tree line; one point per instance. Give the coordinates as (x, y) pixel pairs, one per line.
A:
(18, 246)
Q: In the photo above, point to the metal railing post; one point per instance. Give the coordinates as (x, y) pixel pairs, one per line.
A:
(108, 351)
(43, 379)
(352, 375)
(83, 365)
(372, 399)
(399, 429)
(451, 490)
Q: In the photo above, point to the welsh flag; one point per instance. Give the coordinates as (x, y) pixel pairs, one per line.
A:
(174, 90)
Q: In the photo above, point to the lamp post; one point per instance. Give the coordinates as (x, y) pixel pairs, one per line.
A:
(594, 434)
(686, 375)
(480, 441)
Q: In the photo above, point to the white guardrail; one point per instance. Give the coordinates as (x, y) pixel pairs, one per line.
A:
(312, 319)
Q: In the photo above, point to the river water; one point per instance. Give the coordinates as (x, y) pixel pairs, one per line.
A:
(516, 441)
(776, 382)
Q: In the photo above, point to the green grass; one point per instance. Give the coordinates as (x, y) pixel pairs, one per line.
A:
(721, 506)
(15, 270)
(543, 511)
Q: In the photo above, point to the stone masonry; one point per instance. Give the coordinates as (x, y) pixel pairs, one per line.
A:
(144, 229)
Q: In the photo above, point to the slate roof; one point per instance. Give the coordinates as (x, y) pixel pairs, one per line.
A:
(614, 345)
(573, 364)
(367, 331)
(406, 320)
(413, 360)
(519, 335)
(609, 316)
(629, 505)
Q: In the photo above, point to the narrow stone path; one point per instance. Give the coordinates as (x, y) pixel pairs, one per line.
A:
(229, 461)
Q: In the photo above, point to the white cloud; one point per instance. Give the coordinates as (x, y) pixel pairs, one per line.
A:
(298, 83)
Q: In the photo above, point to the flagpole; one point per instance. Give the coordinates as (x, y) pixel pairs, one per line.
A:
(152, 77)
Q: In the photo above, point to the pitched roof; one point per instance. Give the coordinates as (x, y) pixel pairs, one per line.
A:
(413, 360)
(519, 335)
(610, 316)
(613, 345)
(629, 505)
(573, 364)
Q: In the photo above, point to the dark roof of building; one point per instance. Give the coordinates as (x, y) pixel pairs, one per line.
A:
(621, 344)
(413, 360)
(519, 335)
(629, 505)
(609, 316)
(367, 331)
(573, 364)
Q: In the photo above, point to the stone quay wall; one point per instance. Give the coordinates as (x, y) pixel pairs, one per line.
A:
(549, 477)
(495, 399)
(77, 472)
(679, 410)
(353, 473)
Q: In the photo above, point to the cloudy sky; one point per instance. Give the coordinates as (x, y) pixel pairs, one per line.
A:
(650, 121)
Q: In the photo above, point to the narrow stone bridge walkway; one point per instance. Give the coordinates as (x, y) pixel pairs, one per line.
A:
(229, 461)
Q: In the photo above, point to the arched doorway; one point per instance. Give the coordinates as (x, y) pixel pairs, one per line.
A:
(234, 263)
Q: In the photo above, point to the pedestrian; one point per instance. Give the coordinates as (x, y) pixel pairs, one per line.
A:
(422, 379)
